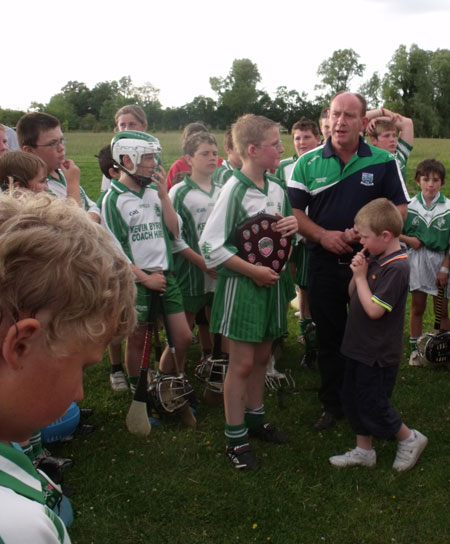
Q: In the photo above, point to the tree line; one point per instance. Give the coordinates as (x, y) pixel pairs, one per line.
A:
(416, 84)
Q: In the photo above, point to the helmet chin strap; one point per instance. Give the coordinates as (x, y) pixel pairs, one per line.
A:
(142, 181)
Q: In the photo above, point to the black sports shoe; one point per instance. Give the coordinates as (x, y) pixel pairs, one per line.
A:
(48, 462)
(325, 421)
(242, 457)
(269, 433)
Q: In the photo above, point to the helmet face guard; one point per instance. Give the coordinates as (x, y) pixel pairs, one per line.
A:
(168, 394)
(134, 144)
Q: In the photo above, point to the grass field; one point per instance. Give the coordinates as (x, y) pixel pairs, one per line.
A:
(176, 486)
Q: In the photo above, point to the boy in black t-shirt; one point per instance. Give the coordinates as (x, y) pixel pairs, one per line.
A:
(372, 341)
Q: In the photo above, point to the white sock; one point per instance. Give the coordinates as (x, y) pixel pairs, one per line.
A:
(363, 451)
(410, 438)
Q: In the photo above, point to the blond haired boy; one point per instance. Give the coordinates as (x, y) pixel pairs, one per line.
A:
(372, 343)
(249, 304)
(23, 170)
(66, 291)
(3, 140)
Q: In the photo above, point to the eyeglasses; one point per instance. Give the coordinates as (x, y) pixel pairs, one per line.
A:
(276, 145)
(53, 143)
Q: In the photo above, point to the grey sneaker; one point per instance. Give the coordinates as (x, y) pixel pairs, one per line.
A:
(416, 359)
(118, 381)
(354, 458)
(408, 453)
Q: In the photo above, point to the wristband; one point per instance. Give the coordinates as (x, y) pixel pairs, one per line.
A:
(321, 236)
(444, 269)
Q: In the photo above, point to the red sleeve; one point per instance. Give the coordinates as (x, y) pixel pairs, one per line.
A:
(179, 165)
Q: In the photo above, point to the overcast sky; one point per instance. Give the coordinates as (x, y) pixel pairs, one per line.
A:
(178, 45)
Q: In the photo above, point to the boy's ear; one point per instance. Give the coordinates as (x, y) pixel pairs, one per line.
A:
(251, 150)
(127, 162)
(187, 158)
(20, 341)
(387, 235)
(114, 173)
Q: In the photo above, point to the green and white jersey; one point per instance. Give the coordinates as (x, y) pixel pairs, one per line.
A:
(24, 516)
(239, 200)
(402, 154)
(136, 222)
(194, 207)
(58, 187)
(285, 169)
(430, 225)
(222, 174)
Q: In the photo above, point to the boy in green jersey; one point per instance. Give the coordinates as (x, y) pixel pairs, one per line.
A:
(138, 212)
(66, 291)
(250, 301)
(41, 134)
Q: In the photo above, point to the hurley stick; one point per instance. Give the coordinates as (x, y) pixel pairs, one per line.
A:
(137, 418)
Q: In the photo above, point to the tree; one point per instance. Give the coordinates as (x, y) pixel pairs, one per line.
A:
(147, 94)
(10, 117)
(371, 90)
(202, 108)
(102, 92)
(288, 106)
(440, 66)
(337, 72)
(237, 93)
(126, 88)
(408, 88)
(79, 96)
(63, 109)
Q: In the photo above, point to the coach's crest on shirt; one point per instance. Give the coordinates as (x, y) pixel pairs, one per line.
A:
(367, 178)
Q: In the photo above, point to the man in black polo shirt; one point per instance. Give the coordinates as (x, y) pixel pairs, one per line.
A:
(334, 181)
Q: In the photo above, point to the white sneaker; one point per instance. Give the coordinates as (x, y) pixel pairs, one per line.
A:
(408, 453)
(416, 359)
(297, 314)
(354, 458)
(118, 381)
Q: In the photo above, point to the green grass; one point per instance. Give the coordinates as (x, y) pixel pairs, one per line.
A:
(176, 486)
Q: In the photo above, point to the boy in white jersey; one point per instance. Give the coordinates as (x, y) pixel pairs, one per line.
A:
(225, 170)
(50, 331)
(138, 212)
(306, 136)
(392, 132)
(41, 134)
(193, 199)
(250, 301)
(427, 233)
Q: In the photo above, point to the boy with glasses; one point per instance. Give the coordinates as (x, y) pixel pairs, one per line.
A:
(41, 134)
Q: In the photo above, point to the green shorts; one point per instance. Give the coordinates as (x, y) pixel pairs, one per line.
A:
(193, 304)
(172, 297)
(243, 311)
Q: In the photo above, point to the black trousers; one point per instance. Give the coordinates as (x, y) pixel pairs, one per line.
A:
(366, 394)
(329, 276)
